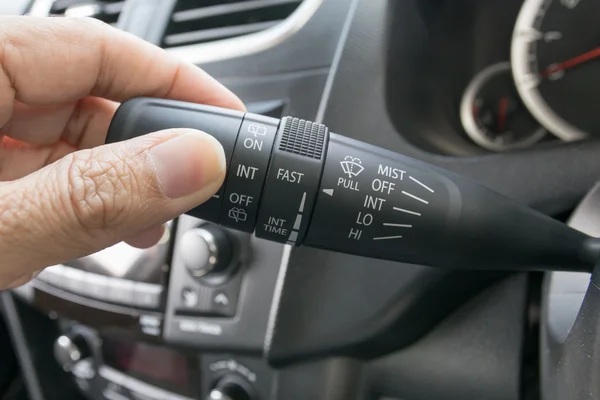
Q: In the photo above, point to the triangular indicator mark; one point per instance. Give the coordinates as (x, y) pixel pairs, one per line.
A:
(328, 191)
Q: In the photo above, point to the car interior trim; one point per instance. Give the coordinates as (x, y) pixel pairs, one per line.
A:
(228, 48)
(76, 298)
(523, 78)
(335, 62)
(319, 117)
(136, 385)
(21, 347)
(248, 44)
(277, 293)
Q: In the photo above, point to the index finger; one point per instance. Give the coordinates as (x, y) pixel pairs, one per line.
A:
(46, 61)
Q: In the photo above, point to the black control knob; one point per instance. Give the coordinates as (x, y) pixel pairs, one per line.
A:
(231, 388)
(206, 250)
(69, 349)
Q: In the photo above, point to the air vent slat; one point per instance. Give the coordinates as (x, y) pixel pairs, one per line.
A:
(223, 9)
(201, 21)
(217, 33)
(104, 10)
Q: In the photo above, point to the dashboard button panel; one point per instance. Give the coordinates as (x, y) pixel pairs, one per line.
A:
(225, 315)
(202, 300)
(223, 303)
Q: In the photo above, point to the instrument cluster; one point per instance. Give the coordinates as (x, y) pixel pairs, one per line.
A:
(548, 88)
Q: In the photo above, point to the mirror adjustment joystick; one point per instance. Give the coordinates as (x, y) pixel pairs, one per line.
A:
(207, 250)
(292, 181)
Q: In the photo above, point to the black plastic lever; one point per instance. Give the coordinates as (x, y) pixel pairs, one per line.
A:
(292, 181)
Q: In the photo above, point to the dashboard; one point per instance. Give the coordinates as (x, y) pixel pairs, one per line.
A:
(501, 91)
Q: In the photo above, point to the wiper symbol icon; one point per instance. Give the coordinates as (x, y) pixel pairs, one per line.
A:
(238, 214)
(352, 166)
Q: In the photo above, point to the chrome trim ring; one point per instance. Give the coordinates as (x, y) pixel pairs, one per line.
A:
(469, 123)
(524, 35)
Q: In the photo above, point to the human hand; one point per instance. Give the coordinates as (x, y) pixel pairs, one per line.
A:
(63, 194)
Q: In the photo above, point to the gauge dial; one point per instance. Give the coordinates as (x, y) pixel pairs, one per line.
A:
(493, 114)
(556, 65)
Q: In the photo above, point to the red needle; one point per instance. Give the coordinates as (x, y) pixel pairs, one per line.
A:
(502, 110)
(580, 59)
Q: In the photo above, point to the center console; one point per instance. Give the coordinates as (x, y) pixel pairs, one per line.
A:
(185, 319)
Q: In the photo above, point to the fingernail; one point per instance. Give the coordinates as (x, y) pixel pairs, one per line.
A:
(187, 163)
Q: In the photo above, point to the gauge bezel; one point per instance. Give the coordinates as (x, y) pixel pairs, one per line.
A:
(468, 120)
(523, 42)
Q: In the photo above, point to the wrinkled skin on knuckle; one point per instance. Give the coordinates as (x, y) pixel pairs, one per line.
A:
(101, 190)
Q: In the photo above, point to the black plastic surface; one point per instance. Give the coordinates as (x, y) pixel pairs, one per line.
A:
(9, 369)
(272, 108)
(475, 353)
(360, 307)
(245, 333)
(378, 204)
(328, 379)
(300, 91)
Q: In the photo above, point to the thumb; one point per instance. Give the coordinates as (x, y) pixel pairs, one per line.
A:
(95, 198)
